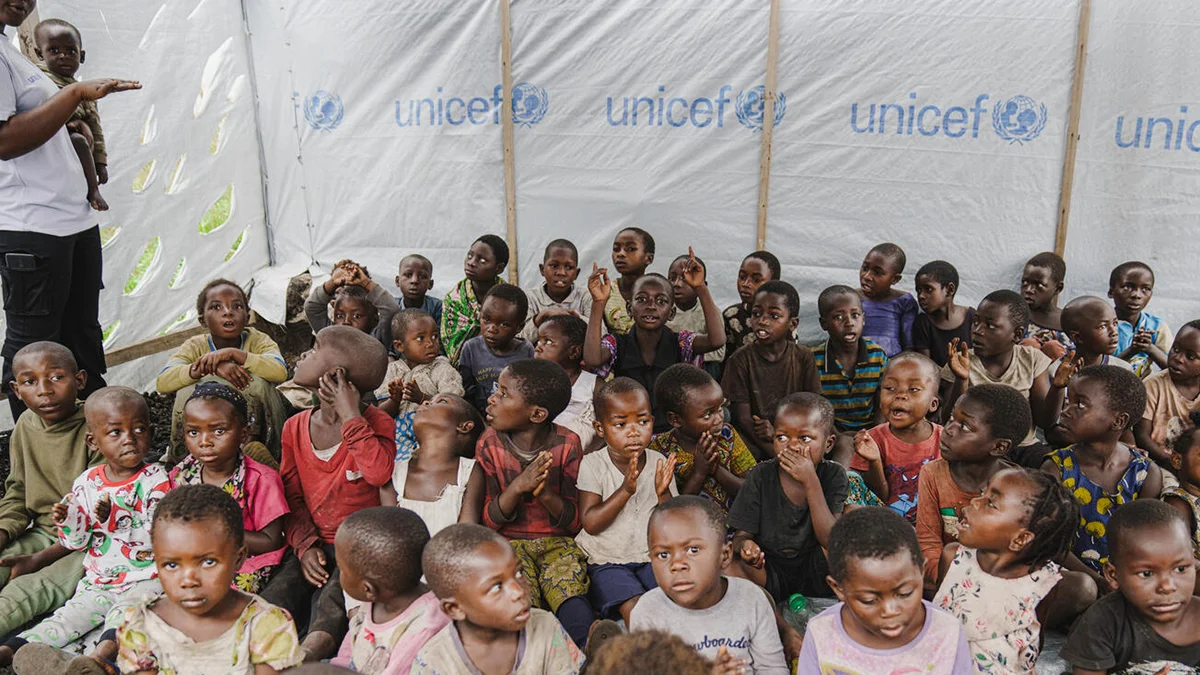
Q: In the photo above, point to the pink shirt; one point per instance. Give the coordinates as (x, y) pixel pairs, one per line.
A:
(390, 648)
(902, 464)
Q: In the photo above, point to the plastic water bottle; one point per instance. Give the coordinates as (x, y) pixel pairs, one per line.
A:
(797, 613)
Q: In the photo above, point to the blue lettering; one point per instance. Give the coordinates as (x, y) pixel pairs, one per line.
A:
(707, 112)
(1137, 134)
(1192, 137)
(1155, 122)
(671, 112)
(638, 102)
(449, 117)
(883, 109)
(431, 111)
(854, 120)
(960, 117)
(661, 90)
(399, 107)
(477, 105)
(722, 99)
(977, 111)
(624, 112)
(921, 121)
(1179, 131)
(497, 99)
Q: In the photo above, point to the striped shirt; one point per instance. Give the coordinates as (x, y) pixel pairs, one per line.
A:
(853, 397)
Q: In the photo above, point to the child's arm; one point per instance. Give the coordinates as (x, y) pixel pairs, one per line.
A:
(868, 450)
(748, 550)
(532, 480)
(472, 504)
(267, 539)
(385, 305)
(1039, 395)
(743, 421)
(298, 526)
(14, 517)
(180, 371)
(741, 460)
(958, 359)
(1143, 435)
(27, 564)
(1152, 488)
(372, 443)
(596, 513)
(391, 404)
(263, 358)
(800, 466)
(563, 504)
(1145, 342)
(316, 307)
(387, 495)
(929, 525)
(908, 317)
(595, 353)
(714, 323)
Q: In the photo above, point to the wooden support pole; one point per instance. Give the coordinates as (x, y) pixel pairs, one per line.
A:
(768, 126)
(151, 346)
(1068, 175)
(510, 177)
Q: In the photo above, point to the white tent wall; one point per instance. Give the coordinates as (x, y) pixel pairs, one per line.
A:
(382, 135)
(193, 126)
(1137, 178)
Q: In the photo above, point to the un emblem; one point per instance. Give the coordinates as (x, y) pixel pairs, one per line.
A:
(1019, 119)
(529, 104)
(750, 106)
(324, 110)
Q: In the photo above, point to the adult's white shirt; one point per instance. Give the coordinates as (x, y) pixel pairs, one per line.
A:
(43, 190)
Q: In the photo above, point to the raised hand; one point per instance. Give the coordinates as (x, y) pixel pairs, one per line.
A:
(396, 389)
(959, 359)
(866, 447)
(664, 476)
(94, 90)
(631, 476)
(693, 271)
(1066, 370)
(338, 392)
(598, 284)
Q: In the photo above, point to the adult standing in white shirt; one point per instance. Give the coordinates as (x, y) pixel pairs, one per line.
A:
(50, 261)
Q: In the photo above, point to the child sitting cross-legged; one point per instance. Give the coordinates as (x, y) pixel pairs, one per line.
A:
(1172, 396)
(234, 354)
(48, 449)
(890, 456)
(889, 313)
(770, 367)
(107, 513)
(650, 347)
(881, 624)
(530, 466)
(1001, 580)
(482, 588)
(214, 428)
(711, 459)
(940, 320)
(1102, 473)
(486, 259)
(618, 488)
(435, 483)
(202, 623)
(716, 614)
(483, 357)
(380, 552)
(986, 423)
(1151, 624)
(335, 459)
(418, 375)
(560, 339)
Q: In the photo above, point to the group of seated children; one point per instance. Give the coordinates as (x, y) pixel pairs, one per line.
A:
(506, 480)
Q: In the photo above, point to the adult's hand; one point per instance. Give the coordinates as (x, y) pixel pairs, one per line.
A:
(94, 90)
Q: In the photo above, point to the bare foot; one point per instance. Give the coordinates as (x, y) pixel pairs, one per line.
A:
(318, 646)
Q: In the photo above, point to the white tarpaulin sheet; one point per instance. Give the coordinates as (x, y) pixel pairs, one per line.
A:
(937, 125)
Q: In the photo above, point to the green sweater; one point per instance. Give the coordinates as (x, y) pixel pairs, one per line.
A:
(45, 461)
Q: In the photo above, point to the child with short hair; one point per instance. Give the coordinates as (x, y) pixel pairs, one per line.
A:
(890, 456)
(997, 357)
(940, 320)
(234, 354)
(689, 313)
(350, 298)
(1172, 396)
(849, 365)
(1185, 497)
(888, 313)
(757, 269)
(648, 651)
(202, 623)
(481, 586)
(531, 466)
(415, 280)
(986, 423)
(632, 253)
(1090, 325)
(1152, 624)
(1101, 472)
(418, 375)
(787, 505)
(483, 357)
(618, 488)
(380, 551)
(650, 347)
(59, 47)
(560, 338)
(771, 367)
(214, 428)
(107, 513)
(711, 459)
(881, 624)
(1041, 282)
(48, 449)
(1001, 581)
(434, 484)
(335, 459)
(1143, 338)
(485, 261)
(695, 601)
(557, 294)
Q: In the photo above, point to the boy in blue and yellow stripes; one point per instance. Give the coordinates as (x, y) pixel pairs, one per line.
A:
(850, 367)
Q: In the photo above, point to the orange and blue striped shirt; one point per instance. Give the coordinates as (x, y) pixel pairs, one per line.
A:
(853, 397)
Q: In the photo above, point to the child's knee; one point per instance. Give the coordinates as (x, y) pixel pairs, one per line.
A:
(81, 142)
(1079, 590)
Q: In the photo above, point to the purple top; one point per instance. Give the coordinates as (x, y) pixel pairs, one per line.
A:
(890, 324)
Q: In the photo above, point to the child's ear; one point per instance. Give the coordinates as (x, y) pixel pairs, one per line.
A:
(674, 419)
(793, 323)
(896, 278)
(452, 609)
(12, 386)
(649, 259)
(539, 414)
(935, 403)
(1001, 447)
(1121, 421)
(726, 555)
(599, 429)
(465, 427)
(1110, 292)
(91, 444)
(82, 56)
(80, 379)
(1021, 540)
(242, 554)
(369, 590)
(821, 321)
(1058, 288)
(1176, 461)
(575, 353)
(38, 52)
(951, 289)
(398, 346)
(1110, 575)
(836, 587)
(671, 316)
(830, 442)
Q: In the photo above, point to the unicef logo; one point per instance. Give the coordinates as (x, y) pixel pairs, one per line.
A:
(750, 106)
(324, 110)
(529, 104)
(1019, 119)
